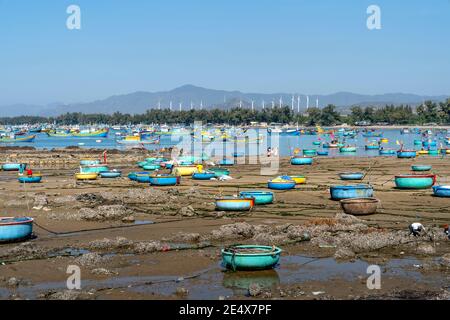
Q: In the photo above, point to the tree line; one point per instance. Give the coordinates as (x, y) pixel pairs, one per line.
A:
(429, 112)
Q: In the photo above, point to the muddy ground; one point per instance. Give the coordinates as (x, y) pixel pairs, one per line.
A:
(133, 241)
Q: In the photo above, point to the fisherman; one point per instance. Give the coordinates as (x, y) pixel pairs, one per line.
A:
(416, 229)
(29, 172)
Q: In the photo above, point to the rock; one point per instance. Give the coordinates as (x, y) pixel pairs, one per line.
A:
(90, 259)
(445, 260)
(182, 291)
(63, 295)
(103, 213)
(254, 290)
(184, 237)
(13, 282)
(426, 249)
(233, 231)
(148, 247)
(103, 271)
(187, 211)
(129, 219)
(344, 253)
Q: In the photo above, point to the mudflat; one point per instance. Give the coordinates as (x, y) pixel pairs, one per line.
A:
(134, 241)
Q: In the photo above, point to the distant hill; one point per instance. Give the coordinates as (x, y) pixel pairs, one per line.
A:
(139, 102)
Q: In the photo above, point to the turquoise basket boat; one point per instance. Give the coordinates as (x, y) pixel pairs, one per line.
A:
(387, 152)
(301, 161)
(164, 180)
(347, 149)
(441, 191)
(13, 166)
(351, 175)
(110, 174)
(309, 152)
(30, 179)
(406, 154)
(226, 162)
(218, 172)
(351, 191)
(15, 229)
(281, 185)
(421, 167)
(250, 257)
(143, 178)
(88, 162)
(133, 175)
(412, 181)
(234, 204)
(322, 153)
(316, 143)
(94, 169)
(206, 175)
(151, 167)
(261, 197)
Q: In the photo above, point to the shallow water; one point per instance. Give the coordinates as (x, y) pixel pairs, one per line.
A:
(286, 144)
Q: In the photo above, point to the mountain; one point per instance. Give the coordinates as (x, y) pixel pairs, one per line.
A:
(139, 102)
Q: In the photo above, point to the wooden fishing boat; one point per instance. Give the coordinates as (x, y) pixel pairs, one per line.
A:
(111, 174)
(421, 167)
(230, 203)
(86, 176)
(15, 229)
(94, 134)
(332, 145)
(281, 184)
(206, 175)
(441, 191)
(417, 142)
(136, 140)
(301, 161)
(351, 175)
(54, 134)
(250, 257)
(360, 206)
(17, 139)
(35, 178)
(340, 192)
(164, 180)
(13, 166)
(261, 197)
(415, 181)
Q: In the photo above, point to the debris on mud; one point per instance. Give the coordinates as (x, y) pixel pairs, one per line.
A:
(91, 259)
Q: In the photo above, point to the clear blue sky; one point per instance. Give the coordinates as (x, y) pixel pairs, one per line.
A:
(304, 46)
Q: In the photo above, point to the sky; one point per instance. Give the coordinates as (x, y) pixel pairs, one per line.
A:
(263, 46)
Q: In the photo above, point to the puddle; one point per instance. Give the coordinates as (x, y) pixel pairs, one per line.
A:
(143, 222)
(216, 281)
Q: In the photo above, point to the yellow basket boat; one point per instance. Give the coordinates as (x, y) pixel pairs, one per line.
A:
(384, 140)
(422, 152)
(86, 175)
(186, 170)
(299, 179)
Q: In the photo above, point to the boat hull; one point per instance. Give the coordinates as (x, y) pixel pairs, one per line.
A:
(261, 197)
(15, 229)
(28, 179)
(235, 204)
(301, 161)
(351, 175)
(110, 174)
(12, 166)
(415, 181)
(406, 154)
(351, 191)
(164, 180)
(441, 191)
(86, 176)
(203, 175)
(251, 261)
(361, 206)
(286, 185)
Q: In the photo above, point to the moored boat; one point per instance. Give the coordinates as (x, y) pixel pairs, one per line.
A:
(133, 175)
(340, 192)
(360, 206)
(13, 166)
(261, 197)
(322, 153)
(230, 203)
(86, 176)
(111, 174)
(205, 175)
(347, 149)
(35, 178)
(351, 175)
(298, 179)
(250, 257)
(218, 172)
(17, 139)
(185, 170)
(15, 229)
(309, 152)
(415, 181)
(419, 167)
(281, 184)
(406, 154)
(164, 180)
(301, 161)
(441, 191)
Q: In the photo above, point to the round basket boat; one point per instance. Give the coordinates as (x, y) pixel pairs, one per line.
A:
(351, 175)
(250, 257)
(35, 178)
(86, 175)
(441, 191)
(360, 206)
(421, 167)
(261, 197)
(15, 229)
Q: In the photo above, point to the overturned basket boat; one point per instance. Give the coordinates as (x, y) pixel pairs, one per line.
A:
(360, 206)
(250, 257)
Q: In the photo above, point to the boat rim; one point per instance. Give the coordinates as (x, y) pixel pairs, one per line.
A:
(28, 220)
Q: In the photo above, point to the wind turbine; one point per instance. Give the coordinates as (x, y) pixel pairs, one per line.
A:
(317, 103)
(253, 105)
(263, 104)
(181, 104)
(201, 104)
(298, 104)
(292, 103)
(170, 106)
(273, 104)
(281, 102)
(192, 105)
(159, 104)
(307, 102)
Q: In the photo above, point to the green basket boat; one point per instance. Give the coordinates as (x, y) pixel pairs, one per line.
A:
(415, 181)
(250, 257)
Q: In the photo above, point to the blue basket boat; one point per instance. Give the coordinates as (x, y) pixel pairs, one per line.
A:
(420, 167)
(340, 192)
(347, 149)
(164, 180)
(151, 167)
(234, 204)
(15, 229)
(110, 174)
(13, 166)
(406, 154)
(261, 197)
(415, 181)
(442, 191)
(35, 178)
(218, 172)
(427, 143)
(95, 168)
(206, 175)
(226, 162)
(351, 175)
(301, 161)
(387, 152)
(133, 175)
(250, 257)
(143, 178)
(281, 184)
(322, 153)
(89, 162)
